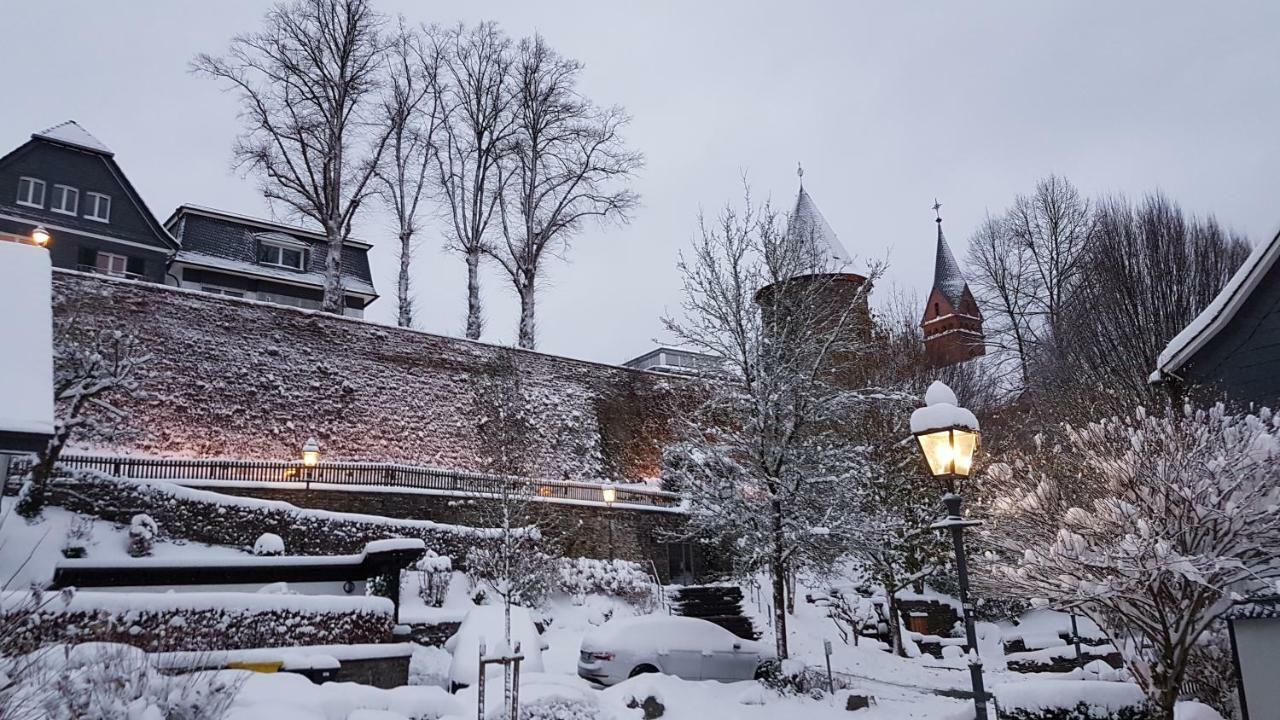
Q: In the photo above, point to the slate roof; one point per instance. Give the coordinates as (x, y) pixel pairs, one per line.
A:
(223, 242)
(807, 220)
(947, 277)
(71, 133)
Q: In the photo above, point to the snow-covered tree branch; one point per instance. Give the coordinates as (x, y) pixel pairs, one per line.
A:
(1147, 524)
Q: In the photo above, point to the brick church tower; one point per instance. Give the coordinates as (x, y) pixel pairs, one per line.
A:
(952, 322)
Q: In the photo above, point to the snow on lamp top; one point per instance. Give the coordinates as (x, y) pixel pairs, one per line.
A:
(941, 411)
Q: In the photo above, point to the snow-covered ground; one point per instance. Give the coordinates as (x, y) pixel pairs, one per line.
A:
(29, 551)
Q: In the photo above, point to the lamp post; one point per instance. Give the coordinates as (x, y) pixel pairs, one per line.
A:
(948, 436)
(609, 493)
(310, 458)
(40, 236)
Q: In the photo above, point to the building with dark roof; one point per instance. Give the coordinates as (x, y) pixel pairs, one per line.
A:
(952, 322)
(67, 183)
(246, 257)
(1231, 350)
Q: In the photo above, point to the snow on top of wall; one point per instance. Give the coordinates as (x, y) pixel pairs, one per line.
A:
(214, 658)
(126, 602)
(26, 340)
(1106, 698)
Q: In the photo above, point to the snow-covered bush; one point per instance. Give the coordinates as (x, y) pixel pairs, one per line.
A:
(1147, 524)
(434, 575)
(529, 587)
(268, 544)
(1067, 700)
(190, 621)
(142, 535)
(793, 677)
(619, 578)
(557, 708)
(79, 536)
(103, 680)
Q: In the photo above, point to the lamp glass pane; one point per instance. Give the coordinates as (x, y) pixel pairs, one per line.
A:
(310, 458)
(937, 451)
(963, 445)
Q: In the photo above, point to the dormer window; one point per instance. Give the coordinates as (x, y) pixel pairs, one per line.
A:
(97, 206)
(66, 200)
(281, 251)
(31, 192)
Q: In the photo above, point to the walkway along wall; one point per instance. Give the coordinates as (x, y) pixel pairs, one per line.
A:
(236, 378)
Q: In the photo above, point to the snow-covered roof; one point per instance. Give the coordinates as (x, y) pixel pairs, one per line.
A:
(947, 277)
(26, 354)
(71, 133)
(1219, 312)
(806, 221)
(291, 277)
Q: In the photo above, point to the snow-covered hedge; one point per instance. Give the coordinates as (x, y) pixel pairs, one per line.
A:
(192, 621)
(620, 578)
(217, 519)
(1071, 700)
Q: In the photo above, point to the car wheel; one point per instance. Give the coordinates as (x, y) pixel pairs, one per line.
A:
(642, 670)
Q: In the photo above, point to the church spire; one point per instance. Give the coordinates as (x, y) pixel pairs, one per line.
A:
(947, 277)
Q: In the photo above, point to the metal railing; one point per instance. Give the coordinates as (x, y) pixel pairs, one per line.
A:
(353, 476)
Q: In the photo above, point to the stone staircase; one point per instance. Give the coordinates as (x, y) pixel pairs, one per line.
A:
(720, 604)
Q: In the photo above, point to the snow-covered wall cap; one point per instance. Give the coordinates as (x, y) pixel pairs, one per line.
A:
(1219, 312)
(26, 353)
(941, 411)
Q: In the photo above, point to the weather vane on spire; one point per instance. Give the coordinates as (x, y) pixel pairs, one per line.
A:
(800, 172)
(937, 209)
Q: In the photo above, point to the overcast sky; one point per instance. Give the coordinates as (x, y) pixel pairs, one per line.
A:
(886, 104)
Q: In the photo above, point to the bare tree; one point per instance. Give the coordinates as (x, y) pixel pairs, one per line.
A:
(308, 84)
(566, 162)
(413, 110)
(766, 459)
(475, 68)
(1004, 287)
(90, 378)
(1149, 272)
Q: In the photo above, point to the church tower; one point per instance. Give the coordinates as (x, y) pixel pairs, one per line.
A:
(952, 322)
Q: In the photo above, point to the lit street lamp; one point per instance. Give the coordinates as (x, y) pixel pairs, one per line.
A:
(310, 457)
(609, 493)
(40, 236)
(948, 436)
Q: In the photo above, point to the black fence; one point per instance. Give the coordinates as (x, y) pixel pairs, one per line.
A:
(353, 476)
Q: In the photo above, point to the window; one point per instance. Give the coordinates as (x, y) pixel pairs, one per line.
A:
(290, 300)
(112, 264)
(31, 192)
(215, 290)
(97, 206)
(281, 255)
(66, 200)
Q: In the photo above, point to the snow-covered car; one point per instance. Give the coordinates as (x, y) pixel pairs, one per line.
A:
(689, 648)
(486, 624)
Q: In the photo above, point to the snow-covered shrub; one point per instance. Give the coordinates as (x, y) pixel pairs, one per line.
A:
(142, 535)
(1067, 700)
(190, 621)
(103, 680)
(557, 708)
(528, 588)
(793, 677)
(79, 536)
(434, 574)
(268, 544)
(619, 578)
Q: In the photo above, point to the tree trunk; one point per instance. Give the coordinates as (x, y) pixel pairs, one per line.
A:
(528, 328)
(778, 568)
(895, 627)
(332, 301)
(33, 501)
(474, 322)
(405, 318)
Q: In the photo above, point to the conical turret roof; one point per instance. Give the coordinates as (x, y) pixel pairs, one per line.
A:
(807, 221)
